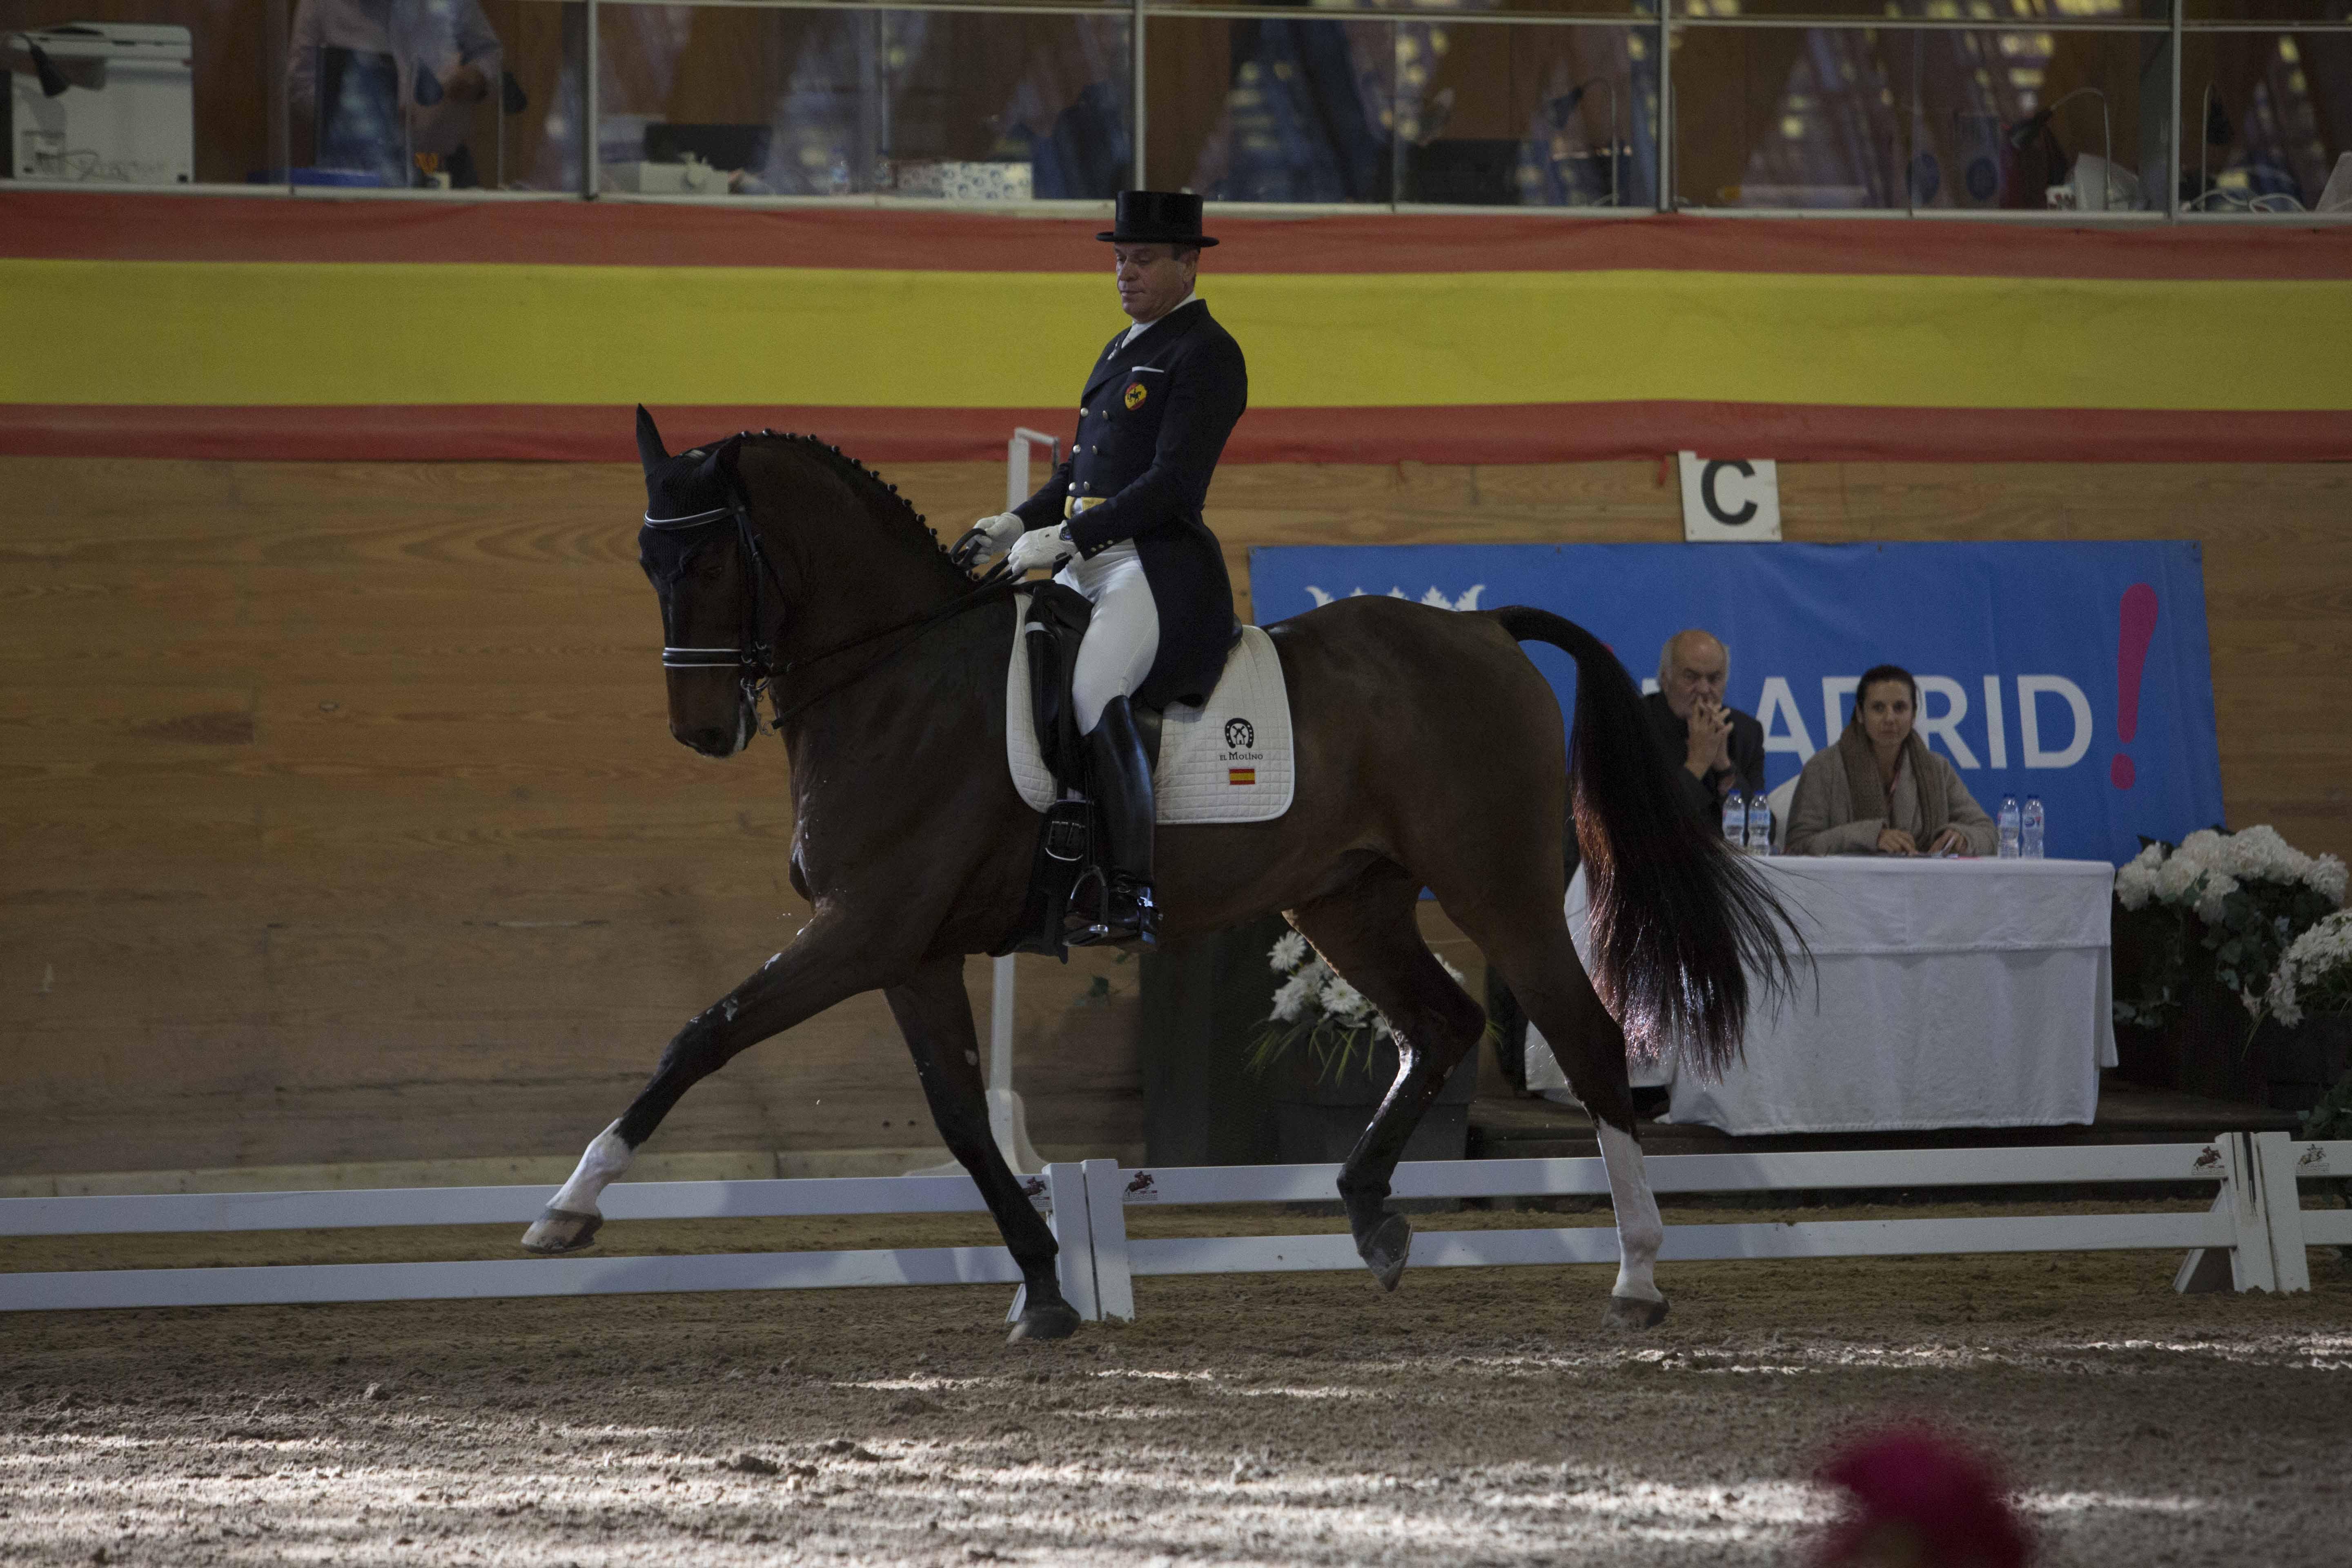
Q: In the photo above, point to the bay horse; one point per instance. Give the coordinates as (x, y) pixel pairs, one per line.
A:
(1429, 752)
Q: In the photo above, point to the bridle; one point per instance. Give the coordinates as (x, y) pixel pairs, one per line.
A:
(755, 656)
(752, 654)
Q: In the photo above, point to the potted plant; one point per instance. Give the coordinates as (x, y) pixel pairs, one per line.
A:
(2310, 1000)
(1330, 1056)
(2201, 930)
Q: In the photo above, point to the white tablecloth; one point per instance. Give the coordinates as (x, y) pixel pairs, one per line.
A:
(1951, 994)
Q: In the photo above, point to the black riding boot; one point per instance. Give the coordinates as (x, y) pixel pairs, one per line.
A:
(1122, 781)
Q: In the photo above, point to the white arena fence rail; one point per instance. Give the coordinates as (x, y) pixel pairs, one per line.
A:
(2252, 1237)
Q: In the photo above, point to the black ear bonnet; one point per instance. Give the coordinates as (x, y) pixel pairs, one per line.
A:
(687, 496)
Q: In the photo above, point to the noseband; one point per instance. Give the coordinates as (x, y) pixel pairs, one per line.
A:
(753, 653)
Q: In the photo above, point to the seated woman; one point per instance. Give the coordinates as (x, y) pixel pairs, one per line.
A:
(1880, 791)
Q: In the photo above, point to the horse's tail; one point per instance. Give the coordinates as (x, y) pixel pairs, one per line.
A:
(1678, 919)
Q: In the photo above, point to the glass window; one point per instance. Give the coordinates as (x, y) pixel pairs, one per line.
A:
(163, 92)
(1956, 12)
(1417, 109)
(1270, 108)
(1868, 105)
(1504, 115)
(1920, 118)
(454, 95)
(2266, 121)
(1425, 8)
(2196, 11)
(958, 105)
(538, 144)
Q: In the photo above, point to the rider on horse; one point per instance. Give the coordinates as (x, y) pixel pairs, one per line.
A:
(1121, 519)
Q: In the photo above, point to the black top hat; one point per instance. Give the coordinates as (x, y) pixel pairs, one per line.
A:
(1163, 217)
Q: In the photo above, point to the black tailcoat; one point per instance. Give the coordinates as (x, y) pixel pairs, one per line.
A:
(1151, 423)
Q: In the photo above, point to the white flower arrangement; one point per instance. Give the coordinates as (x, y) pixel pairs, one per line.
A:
(2316, 972)
(2208, 867)
(1315, 1007)
(2252, 894)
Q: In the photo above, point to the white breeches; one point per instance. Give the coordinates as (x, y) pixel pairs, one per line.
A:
(1124, 635)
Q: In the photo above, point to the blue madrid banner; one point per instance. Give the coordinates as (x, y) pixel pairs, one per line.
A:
(2077, 672)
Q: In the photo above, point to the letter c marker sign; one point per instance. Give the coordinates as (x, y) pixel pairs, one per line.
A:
(1735, 500)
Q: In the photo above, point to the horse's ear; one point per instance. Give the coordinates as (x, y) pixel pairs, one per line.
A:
(649, 445)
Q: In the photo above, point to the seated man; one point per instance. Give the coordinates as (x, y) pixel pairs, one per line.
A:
(1880, 791)
(1712, 749)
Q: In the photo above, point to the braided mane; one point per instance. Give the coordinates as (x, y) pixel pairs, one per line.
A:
(882, 499)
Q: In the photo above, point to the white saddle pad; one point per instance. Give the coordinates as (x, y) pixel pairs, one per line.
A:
(1228, 761)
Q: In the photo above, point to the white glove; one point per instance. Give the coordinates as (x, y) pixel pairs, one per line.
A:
(985, 541)
(1046, 547)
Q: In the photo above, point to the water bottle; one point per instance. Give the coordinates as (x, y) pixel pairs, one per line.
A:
(1759, 824)
(2033, 820)
(2011, 823)
(1735, 820)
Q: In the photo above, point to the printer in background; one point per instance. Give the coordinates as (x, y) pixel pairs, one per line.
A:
(104, 103)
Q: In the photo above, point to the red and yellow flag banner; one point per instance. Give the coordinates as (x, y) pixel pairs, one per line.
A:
(293, 328)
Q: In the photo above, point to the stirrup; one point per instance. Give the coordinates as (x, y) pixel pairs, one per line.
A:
(1126, 913)
(1082, 930)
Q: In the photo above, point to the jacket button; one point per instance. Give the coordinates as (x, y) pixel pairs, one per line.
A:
(1082, 413)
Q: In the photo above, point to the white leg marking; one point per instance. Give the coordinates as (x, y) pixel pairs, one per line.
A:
(606, 1159)
(1639, 1232)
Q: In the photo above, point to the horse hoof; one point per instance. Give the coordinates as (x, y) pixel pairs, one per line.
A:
(1053, 1321)
(1384, 1251)
(1631, 1313)
(560, 1230)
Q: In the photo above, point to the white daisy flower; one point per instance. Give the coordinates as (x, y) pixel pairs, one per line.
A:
(1344, 1002)
(1291, 1001)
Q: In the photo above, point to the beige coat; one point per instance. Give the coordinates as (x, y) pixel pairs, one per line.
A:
(1822, 819)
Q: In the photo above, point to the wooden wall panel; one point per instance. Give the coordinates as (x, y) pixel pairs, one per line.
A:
(341, 822)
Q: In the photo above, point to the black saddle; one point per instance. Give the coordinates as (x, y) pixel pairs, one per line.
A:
(1069, 840)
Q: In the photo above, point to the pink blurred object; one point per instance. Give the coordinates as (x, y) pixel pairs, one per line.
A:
(1921, 1501)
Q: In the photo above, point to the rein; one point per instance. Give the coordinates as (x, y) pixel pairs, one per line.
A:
(756, 656)
(994, 585)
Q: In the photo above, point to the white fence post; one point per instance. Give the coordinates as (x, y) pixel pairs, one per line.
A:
(2247, 1258)
(1065, 1188)
(2274, 1158)
(1106, 1215)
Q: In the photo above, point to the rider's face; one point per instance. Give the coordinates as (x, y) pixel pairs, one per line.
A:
(1153, 278)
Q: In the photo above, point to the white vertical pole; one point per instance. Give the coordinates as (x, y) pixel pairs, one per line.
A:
(1000, 1025)
(1107, 1220)
(999, 1009)
(1008, 1119)
(2282, 1210)
(1073, 1224)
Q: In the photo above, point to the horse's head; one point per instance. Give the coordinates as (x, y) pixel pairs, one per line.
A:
(697, 550)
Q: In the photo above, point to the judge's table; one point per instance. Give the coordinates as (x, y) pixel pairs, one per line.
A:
(1943, 993)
